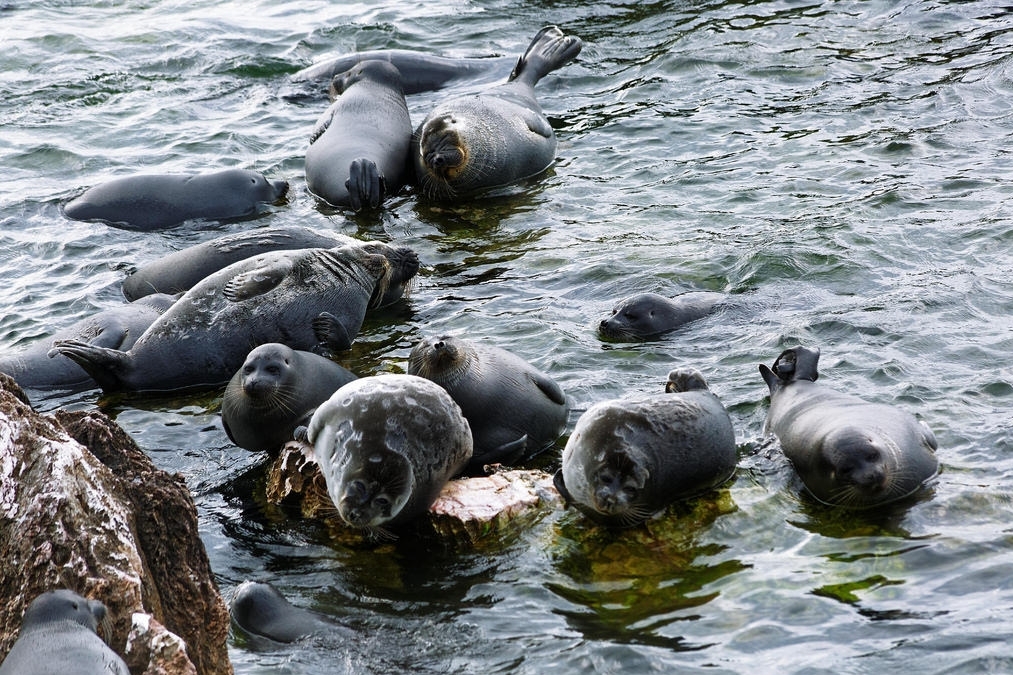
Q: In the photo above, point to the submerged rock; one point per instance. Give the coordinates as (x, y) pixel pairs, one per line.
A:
(108, 525)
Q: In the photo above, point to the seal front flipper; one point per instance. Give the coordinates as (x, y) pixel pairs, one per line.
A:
(549, 49)
(366, 185)
(537, 124)
(256, 282)
(106, 366)
(549, 387)
(557, 481)
(330, 334)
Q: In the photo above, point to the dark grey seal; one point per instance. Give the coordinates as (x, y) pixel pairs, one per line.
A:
(114, 328)
(179, 271)
(650, 315)
(58, 636)
(262, 612)
(386, 446)
(274, 392)
(471, 143)
(159, 201)
(358, 153)
(515, 411)
(629, 459)
(848, 452)
(310, 299)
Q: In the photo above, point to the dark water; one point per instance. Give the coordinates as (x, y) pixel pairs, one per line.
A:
(841, 168)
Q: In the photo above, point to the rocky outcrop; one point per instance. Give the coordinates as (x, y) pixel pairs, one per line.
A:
(110, 526)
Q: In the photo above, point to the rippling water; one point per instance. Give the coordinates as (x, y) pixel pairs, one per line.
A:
(841, 168)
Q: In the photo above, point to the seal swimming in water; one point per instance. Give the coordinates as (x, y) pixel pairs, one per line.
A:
(386, 445)
(629, 459)
(159, 201)
(651, 315)
(358, 153)
(116, 328)
(470, 143)
(276, 391)
(310, 299)
(848, 452)
(261, 611)
(58, 635)
(514, 410)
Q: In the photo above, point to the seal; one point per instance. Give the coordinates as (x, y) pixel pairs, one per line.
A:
(629, 459)
(262, 612)
(180, 270)
(847, 451)
(159, 201)
(514, 410)
(274, 392)
(58, 635)
(494, 138)
(386, 446)
(650, 315)
(310, 299)
(358, 153)
(115, 328)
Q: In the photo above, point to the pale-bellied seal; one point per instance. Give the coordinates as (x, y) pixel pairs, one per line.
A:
(58, 636)
(156, 201)
(386, 445)
(628, 459)
(495, 138)
(180, 270)
(848, 452)
(514, 410)
(261, 611)
(116, 328)
(275, 391)
(312, 299)
(650, 315)
(419, 71)
(358, 153)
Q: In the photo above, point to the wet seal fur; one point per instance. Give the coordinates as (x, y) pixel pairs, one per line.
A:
(497, 137)
(651, 315)
(515, 411)
(274, 392)
(263, 612)
(310, 299)
(629, 459)
(58, 635)
(386, 445)
(158, 201)
(848, 452)
(358, 153)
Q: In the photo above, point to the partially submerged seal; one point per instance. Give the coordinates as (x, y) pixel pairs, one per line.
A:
(650, 315)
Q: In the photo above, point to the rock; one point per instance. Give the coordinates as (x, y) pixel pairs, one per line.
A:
(122, 532)
(152, 647)
(468, 509)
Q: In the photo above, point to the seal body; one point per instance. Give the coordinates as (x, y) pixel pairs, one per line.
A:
(358, 153)
(386, 445)
(261, 611)
(58, 636)
(848, 452)
(514, 410)
(179, 271)
(114, 328)
(275, 391)
(157, 201)
(629, 459)
(650, 315)
(470, 143)
(309, 299)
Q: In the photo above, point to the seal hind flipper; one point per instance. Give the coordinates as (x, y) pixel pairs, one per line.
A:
(366, 185)
(769, 377)
(688, 379)
(549, 49)
(330, 333)
(103, 364)
(798, 363)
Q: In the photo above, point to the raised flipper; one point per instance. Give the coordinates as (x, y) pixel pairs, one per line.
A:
(106, 366)
(366, 185)
(550, 49)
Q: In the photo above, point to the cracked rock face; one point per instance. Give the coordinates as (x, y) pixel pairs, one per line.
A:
(111, 527)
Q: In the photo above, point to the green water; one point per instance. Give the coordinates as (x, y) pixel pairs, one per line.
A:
(840, 168)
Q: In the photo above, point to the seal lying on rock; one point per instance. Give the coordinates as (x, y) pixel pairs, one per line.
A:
(58, 636)
(276, 391)
(514, 410)
(309, 299)
(651, 315)
(848, 452)
(494, 138)
(628, 459)
(386, 445)
(157, 201)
